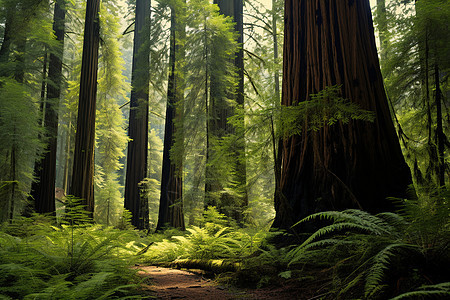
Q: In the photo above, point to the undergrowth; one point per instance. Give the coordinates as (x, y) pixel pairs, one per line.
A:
(76, 260)
(352, 254)
(217, 237)
(356, 255)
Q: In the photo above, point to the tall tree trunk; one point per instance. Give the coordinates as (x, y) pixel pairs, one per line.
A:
(241, 163)
(218, 126)
(439, 129)
(135, 200)
(43, 190)
(171, 200)
(276, 146)
(382, 28)
(5, 49)
(83, 160)
(13, 181)
(357, 164)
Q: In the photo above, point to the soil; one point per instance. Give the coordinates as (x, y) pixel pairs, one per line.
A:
(168, 284)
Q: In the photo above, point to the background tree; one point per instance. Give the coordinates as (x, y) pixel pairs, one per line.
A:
(220, 171)
(354, 164)
(111, 137)
(83, 162)
(171, 200)
(43, 188)
(25, 34)
(414, 70)
(135, 200)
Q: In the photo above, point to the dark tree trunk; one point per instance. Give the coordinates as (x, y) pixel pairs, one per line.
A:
(241, 163)
(83, 160)
(353, 165)
(171, 200)
(135, 200)
(218, 126)
(43, 190)
(439, 129)
(5, 49)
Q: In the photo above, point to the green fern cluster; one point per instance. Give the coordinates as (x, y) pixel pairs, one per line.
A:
(67, 262)
(215, 238)
(384, 255)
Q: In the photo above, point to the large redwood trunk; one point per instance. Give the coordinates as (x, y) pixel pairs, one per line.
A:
(353, 165)
(83, 160)
(135, 200)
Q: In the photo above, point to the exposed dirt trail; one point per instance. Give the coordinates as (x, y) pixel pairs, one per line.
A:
(178, 284)
(169, 284)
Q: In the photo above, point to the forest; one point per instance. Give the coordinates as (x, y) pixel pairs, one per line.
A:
(292, 149)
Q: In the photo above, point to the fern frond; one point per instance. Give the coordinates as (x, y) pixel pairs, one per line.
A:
(395, 220)
(219, 233)
(338, 228)
(381, 263)
(371, 223)
(436, 291)
(297, 253)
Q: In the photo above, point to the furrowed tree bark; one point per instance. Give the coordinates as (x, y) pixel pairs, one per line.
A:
(83, 161)
(43, 190)
(135, 200)
(352, 165)
(171, 200)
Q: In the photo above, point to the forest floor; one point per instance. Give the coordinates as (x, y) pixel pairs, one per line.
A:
(167, 284)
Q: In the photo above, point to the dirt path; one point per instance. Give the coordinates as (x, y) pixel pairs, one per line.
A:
(169, 284)
(178, 284)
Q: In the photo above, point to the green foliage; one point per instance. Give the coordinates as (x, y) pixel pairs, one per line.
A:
(71, 262)
(415, 44)
(111, 137)
(325, 108)
(216, 238)
(435, 291)
(370, 255)
(19, 144)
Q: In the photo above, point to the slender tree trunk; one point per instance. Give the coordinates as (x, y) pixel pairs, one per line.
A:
(241, 163)
(83, 160)
(135, 200)
(439, 129)
(67, 155)
(382, 28)
(43, 190)
(358, 164)
(171, 200)
(275, 51)
(13, 179)
(276, 146)
(5, 49)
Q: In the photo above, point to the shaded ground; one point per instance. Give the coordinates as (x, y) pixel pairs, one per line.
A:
(178, 284)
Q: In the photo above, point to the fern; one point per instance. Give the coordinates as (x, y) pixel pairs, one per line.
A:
(436, 291)
(71, 262)
(366, 252)
(382, 262)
